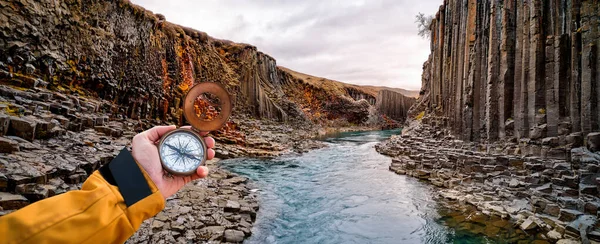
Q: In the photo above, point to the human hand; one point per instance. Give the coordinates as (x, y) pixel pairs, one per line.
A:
(145, 152)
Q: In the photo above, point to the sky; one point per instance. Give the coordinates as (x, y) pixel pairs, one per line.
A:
(363, 42)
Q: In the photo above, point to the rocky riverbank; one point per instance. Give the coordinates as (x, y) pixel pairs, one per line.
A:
(548, 200)
(219, 208)
(51, 142)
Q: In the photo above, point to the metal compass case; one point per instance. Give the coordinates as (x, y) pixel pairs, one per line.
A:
(206, 107)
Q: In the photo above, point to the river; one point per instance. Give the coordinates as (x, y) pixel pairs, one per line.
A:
(343, 193)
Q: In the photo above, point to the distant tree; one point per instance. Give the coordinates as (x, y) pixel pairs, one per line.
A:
(423, 24)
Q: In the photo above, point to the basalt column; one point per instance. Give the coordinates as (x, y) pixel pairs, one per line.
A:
(516, 69)
(506, 77)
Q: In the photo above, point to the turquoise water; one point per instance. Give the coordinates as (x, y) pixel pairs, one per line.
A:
(342, 194)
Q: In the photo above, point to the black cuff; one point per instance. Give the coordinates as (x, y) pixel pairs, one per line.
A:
(125, 173)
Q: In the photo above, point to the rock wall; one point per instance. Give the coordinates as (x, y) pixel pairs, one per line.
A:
(125, 54)
(517, 82)
(393, 104)
(144, 65)
(515, 69)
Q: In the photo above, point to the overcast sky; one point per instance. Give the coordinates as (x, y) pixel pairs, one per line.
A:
(365, 42)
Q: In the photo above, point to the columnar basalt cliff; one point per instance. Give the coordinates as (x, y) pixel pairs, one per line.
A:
(524, 69)
(394, 104)
(517, 82)
(122, 53)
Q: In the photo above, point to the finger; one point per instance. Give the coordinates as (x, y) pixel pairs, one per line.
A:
(211, 154)
(201, 172)
(189, 127)
(210, 142)
(155, 133)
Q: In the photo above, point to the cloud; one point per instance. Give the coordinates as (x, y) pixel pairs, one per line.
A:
(368, 42)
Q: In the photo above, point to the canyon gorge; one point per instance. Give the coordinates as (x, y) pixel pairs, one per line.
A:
(507, 121)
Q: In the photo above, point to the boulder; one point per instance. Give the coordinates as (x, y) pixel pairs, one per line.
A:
(10, 201)
(232, 206)
(564, 128)
(575, 139)
(538, 132)
(583, 224)
(32, 191)
(234, 236)
(552, 210)
(550, 141)
(22, 127)
(44, 129)
(8, 145)
(528, 224)
(568, 215)
(4, 124)
(211, 233)
(593, 141)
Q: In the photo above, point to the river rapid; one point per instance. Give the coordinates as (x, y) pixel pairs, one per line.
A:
(343, 193)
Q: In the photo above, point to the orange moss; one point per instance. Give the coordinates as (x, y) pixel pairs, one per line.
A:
(187, 71)
(165, 69)
(165, 108)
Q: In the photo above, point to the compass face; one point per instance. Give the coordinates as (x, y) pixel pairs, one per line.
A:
(182, 152)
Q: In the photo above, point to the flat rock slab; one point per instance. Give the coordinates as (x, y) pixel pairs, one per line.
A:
(10, 201)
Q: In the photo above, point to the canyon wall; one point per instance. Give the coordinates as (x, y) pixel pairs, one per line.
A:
(515, 69)
(393, 104)
(143, 65)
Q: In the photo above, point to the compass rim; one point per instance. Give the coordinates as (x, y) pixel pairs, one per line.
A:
(190, 114)
(194, 134)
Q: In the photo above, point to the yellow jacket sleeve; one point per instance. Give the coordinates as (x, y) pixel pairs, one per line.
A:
(107, 209)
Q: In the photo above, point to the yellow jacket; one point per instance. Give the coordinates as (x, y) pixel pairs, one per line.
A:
(109, 208)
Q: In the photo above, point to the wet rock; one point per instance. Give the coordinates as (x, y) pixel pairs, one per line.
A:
(8, 145)
(568, 241)
(528, 224)
(569, 215)
(588, 189)
(582, 225)
(22, 127)
(552, 210)
(234, 236)
(554, 235)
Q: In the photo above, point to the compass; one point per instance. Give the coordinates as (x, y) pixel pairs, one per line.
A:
(206, 107)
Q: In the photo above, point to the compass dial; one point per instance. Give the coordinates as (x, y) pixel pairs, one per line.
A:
(182, 152)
